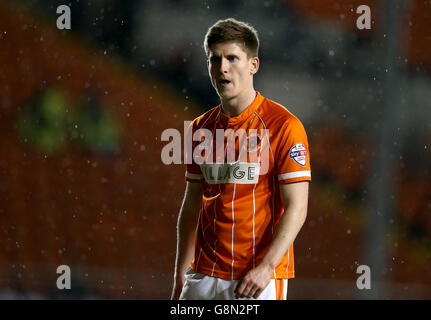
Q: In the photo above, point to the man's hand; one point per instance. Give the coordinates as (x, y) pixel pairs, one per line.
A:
(254, 282)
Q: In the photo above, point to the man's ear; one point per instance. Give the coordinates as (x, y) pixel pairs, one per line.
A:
(254, 65)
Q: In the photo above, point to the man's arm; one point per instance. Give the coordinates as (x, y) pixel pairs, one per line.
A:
(186, 227)
(295, 201)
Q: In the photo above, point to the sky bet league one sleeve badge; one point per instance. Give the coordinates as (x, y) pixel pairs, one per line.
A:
(298, 153)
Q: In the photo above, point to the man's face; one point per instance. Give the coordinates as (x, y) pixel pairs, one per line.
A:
(230, 69)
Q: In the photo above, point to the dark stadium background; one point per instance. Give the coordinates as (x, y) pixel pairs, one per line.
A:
(82, 111)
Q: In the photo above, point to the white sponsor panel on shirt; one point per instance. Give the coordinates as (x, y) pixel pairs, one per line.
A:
(234, 172)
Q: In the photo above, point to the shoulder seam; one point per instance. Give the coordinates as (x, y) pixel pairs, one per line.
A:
(279, 105)
(267, 138)
(210, 114)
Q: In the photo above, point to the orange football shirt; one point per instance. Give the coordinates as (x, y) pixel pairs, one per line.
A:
(241, 203)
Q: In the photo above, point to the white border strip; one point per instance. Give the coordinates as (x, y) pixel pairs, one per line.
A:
(296, 174)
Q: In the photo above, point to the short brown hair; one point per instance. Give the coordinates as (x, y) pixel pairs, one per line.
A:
(233, 30)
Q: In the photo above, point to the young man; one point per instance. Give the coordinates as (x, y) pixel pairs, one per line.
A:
(245, 201)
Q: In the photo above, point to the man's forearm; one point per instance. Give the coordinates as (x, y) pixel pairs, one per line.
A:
(287, 230)
(186, 229)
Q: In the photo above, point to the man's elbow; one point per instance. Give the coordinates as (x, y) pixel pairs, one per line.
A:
(303, 214)
(300, 213)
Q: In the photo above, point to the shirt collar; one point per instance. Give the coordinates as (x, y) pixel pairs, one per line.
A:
(244, 114)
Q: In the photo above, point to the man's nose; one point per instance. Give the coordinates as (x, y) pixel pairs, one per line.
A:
(224, 65)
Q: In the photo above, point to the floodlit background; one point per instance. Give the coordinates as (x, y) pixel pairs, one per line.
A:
(82, 111)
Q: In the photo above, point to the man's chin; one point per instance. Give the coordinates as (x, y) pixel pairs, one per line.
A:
(225, 95)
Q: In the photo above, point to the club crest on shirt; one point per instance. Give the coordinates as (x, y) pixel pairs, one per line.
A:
(298, 153)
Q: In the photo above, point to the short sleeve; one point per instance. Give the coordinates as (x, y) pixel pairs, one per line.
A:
(193, 171)
(293, 155)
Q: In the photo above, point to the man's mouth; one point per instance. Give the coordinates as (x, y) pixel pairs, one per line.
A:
(224, 82)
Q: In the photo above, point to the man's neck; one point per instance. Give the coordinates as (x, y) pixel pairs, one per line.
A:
(235, 106)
